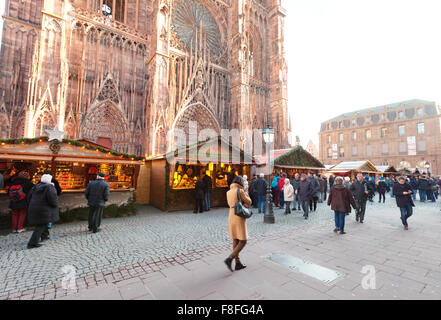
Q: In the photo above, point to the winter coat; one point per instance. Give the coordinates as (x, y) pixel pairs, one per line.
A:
(341, 199)
(275, 184)
(97, 193)
(26, 186)
(403, 200)
(325, 180)
(295, 183)
(305, 191)
(281, 184)
(288, 192)
(252, 186)
(43, 204)
(413, 183)
(208, 184)
(322, 185)
(315, 186)
(359, 189)
(261, 187)
(423, 184)
(199, 191)
(237, 226)
(381, 187)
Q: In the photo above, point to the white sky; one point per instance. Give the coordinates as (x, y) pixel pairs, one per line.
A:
(345, 55)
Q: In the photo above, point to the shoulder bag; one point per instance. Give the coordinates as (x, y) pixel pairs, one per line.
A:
(240, 210)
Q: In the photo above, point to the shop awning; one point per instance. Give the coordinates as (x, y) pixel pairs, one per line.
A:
(19, 157)
(98, 161)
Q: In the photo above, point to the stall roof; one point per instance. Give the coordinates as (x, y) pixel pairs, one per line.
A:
(386, 169)
(298, 158)
(329, 166)
(72, 151)
(214, 150)
(360, 166)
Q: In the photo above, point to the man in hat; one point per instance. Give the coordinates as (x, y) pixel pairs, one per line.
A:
(97, 193)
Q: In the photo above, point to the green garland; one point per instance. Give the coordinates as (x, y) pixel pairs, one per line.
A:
(75, 143)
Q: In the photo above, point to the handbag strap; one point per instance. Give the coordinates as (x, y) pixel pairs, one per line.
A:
(238, 195)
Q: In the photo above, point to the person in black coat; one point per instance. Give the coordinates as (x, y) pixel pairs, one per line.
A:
(413, 182)
(252, 192)
(360, 191)
(43, 208)
(423, 185)
(381, 188)
(208, 184)
(199, 196)
(305, 193)
(261, 188)
(97, 194)
(403, 194)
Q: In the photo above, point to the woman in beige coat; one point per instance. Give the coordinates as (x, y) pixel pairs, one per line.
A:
(237, 226)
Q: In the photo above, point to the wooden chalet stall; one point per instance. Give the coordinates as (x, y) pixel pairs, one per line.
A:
(351, 169)
(291, 161)
(388, 171)
(74, 164)
(174, 175)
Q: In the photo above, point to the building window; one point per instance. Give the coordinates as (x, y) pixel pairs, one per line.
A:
(421, 146)
(369, 151)
(354, 123)
(401, 131)
(385, 148)
(400, 115)
(402, 148)
(341, 152)
(368, 134)
(382, 117)
(420, 112)
(329, 153)
(383, 132)
(328, 139)
(341, 137)
(354, 151)
(114, 9)
(354, 136)
(421, 129)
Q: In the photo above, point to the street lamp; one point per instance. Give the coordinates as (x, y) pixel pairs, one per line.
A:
(268, 136)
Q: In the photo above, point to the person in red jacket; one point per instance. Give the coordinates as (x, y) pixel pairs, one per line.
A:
(281, 184)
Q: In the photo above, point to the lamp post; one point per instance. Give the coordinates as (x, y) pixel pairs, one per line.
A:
(268, 136)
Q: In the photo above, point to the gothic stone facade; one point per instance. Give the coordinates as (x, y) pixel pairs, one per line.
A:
(123, 73)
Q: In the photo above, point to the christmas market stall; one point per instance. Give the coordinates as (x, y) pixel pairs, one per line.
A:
(174, 175)
(351, 169)
(74, 164)
(291, 161)
(388, 171)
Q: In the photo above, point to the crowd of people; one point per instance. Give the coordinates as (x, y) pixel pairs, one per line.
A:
(39, 204)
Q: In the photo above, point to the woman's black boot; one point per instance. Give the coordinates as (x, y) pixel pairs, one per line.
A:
(228, 262)
(239, 266)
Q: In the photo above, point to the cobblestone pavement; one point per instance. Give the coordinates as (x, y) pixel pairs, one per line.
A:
(144, 248)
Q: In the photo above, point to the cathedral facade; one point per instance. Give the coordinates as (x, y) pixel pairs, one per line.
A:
(123, 73)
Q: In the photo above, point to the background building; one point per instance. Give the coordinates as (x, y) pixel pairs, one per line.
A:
(122, 73)
(312, 149)
(403, 135)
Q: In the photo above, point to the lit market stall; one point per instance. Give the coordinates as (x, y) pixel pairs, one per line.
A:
(74, 164)
(351, 169)
(174, 175)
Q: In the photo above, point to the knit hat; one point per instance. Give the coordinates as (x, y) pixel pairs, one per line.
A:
(46, 178)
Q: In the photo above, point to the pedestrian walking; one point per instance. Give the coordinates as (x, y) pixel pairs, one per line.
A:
(261, 187)
(97, 194)
(340, 199)
(252, 191)
(315, 187)
(57, 187)
(295, 184)
(331, 181)
(305, 193)
(391, 187)
(208, 185)
(321, 193)
(237, 226)
(325, 180)
(288, 192)
(18, 190)
(430, 189)
(199, 196)
(403, 194)
(382, 190)
(43, 208)
(413, 182)
(275, 189)
(360, 192)
(423, 185)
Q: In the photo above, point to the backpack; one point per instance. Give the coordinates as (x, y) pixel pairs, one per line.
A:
(16, 193)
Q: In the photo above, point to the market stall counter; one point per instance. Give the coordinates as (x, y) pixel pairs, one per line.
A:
(174, 175)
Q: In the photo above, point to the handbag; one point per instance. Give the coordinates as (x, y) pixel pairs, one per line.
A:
(240, 210)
